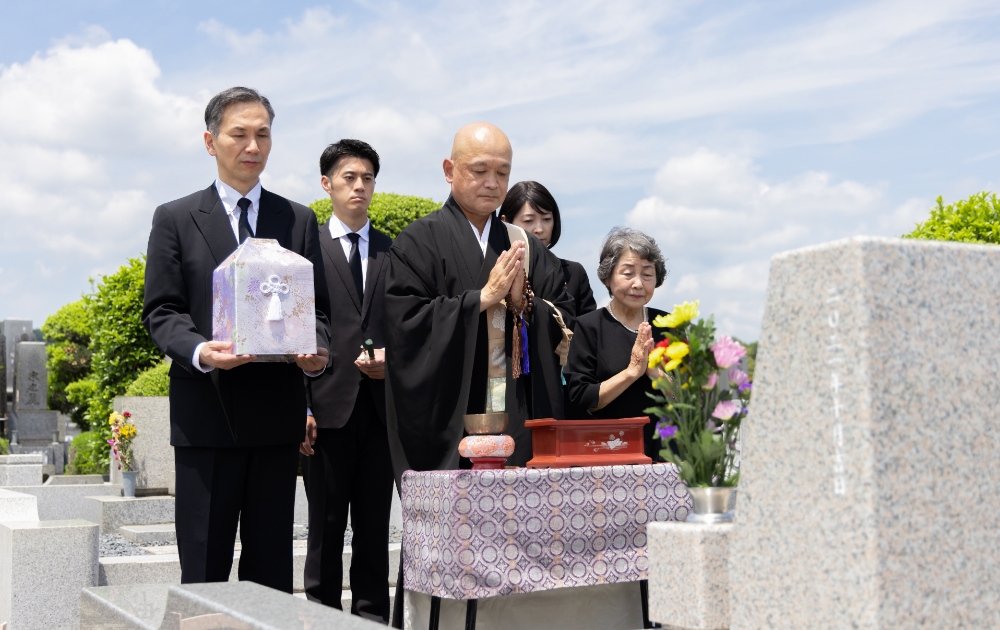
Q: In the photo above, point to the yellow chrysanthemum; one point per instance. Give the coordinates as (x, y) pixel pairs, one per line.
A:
(677, 350)
(655, 356)
(671, 365)
(683, 313)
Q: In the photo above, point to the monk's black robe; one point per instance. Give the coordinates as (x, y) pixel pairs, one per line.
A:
(436, 340)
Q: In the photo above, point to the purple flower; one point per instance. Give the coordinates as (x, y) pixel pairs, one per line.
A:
(744, 387)
(667, 431)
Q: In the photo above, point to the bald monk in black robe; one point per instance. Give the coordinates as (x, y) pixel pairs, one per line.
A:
(446, 271)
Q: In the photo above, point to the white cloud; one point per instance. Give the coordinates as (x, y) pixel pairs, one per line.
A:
(719, 222)
(87, 142)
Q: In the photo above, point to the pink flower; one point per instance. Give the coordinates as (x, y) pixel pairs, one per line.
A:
(713, 378)
(725, 410)
(738, 377)
(727, 352)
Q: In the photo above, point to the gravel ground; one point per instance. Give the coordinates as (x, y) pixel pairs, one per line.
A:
(116, 545)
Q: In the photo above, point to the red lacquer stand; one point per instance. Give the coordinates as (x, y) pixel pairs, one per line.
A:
(565, 443)
(487, 463)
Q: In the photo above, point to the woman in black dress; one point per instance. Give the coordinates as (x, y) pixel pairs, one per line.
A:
(607, 371)
(531, 207)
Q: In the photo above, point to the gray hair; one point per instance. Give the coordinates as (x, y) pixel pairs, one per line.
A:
(217, 106)
(619, 240)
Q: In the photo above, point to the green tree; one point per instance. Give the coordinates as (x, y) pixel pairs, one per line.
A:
(120, 346)
(389, 212)
(67, 333)
(972, 220)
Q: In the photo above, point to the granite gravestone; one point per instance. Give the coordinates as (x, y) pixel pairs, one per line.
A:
(14, 331)
(868, 482)
(3, 376)
(36, 426)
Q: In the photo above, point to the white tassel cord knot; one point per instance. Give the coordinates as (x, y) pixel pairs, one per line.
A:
(275, 287)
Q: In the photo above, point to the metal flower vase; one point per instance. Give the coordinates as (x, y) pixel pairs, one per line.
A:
(712, 505)
(128, 483)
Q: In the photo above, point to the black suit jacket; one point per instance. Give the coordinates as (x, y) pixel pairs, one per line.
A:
(331, 396)
(258, 404)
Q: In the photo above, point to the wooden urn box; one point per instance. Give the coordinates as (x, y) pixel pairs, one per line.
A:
(565, 443)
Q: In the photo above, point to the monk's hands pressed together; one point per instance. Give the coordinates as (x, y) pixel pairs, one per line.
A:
(507, 268)
(373, 368)
(639, 362)
(312, 362)
(214, 354)
(306, 448)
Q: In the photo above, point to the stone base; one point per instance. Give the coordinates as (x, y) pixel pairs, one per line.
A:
(15, 506)
(53, 455)
(689, 574)
(34, 425)
(21, 470)
(112, 512)
(124, 607)
(76, 480)
(66, 502)
(43, 566)
(145, 534)
(220, 605)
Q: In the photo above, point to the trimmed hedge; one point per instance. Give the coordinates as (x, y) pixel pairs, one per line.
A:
(388, 212)
(972, 220)
(151, 382)
(88, 454)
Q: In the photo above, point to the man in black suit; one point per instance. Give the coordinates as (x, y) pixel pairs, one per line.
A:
(235, 425)
(348, 463)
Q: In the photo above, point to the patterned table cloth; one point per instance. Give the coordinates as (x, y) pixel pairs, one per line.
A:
(486, 533)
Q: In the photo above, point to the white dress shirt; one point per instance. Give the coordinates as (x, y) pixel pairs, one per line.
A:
(338, 230)
(229, 196)
(483, 238)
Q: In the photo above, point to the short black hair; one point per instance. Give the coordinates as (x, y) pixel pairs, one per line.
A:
(540, 199)
(347, 147)
(217, 106)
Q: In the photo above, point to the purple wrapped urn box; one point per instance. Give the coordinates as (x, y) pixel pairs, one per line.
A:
(263, 301)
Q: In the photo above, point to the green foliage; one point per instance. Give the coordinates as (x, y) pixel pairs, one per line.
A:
(4, 446)
(67, 333)
(389, 212)
(972, 220)
(88, 454)
(151, 382)
(120, 345)
(751, 349)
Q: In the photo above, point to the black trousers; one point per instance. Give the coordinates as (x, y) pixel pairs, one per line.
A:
(351, 470)
(219, 489)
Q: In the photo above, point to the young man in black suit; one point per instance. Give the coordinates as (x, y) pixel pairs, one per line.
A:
(235, 425)
(348, 463)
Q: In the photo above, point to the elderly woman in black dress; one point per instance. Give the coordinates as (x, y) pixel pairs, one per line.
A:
(607, 372)
(531, 207)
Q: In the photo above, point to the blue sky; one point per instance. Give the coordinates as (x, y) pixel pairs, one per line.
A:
(729, 131)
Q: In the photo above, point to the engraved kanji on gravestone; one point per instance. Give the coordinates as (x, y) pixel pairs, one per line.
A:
(31, 377)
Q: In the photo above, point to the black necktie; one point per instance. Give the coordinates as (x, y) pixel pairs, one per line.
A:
(354, 260)
(245, 230)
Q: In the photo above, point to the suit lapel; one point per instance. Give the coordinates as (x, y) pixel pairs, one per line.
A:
(272, 218)
(213, 222)
(376, 258)
(334, 252)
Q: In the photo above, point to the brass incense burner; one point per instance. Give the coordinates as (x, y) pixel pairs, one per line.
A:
(493, 423)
